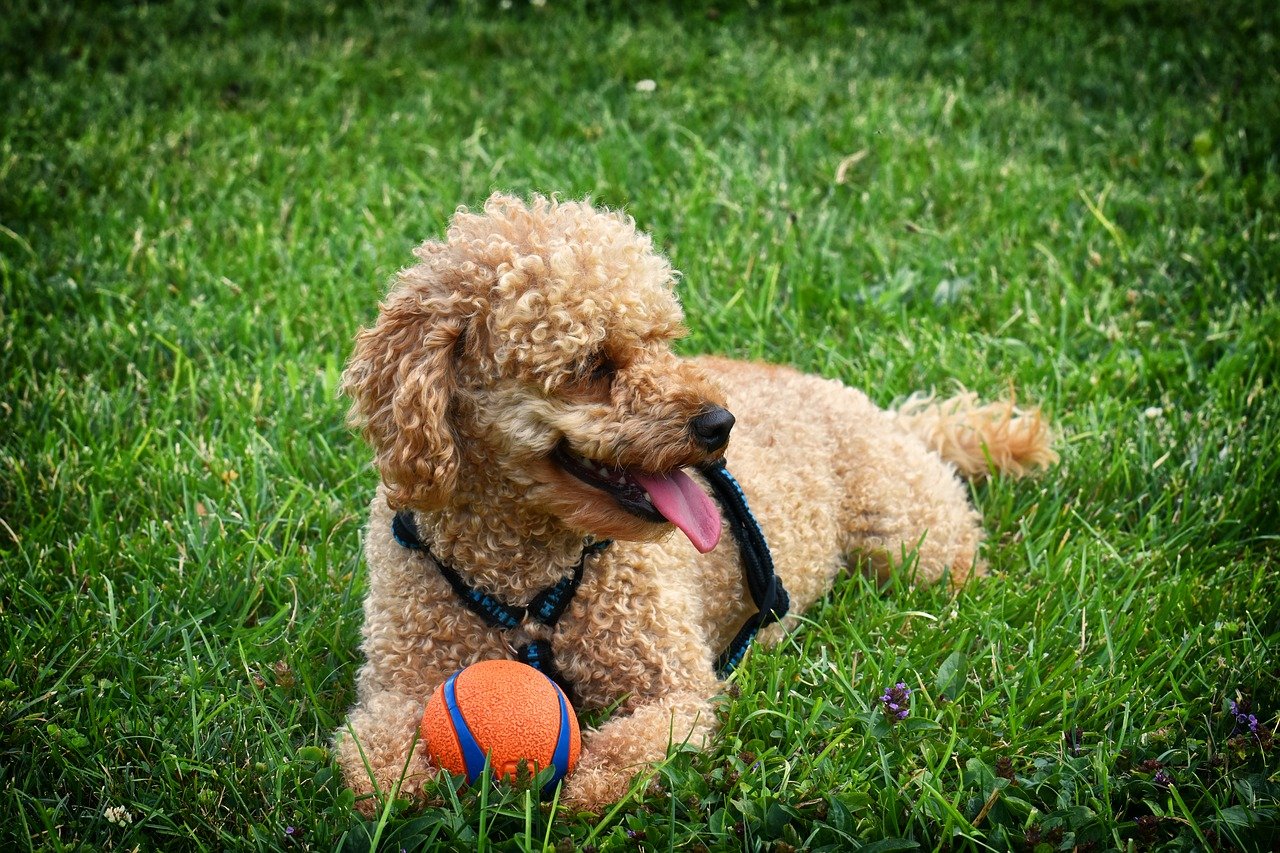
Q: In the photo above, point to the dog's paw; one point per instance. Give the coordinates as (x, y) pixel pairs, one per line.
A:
(372, 794)
(380, 754)
(593, 789)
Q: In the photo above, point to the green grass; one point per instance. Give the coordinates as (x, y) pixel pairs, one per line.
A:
(199, 206)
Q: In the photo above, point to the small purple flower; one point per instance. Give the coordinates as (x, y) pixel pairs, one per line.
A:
(291, 830)
(1244, 720)
(896, 702)
(1162, 778)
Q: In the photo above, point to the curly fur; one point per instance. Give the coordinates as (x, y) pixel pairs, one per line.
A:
(548, 324)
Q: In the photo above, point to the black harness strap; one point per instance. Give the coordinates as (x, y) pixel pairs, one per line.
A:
(767, 591)
(771, 599)
(546, 607)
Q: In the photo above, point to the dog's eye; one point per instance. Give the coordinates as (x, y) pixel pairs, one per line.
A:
(603, 368)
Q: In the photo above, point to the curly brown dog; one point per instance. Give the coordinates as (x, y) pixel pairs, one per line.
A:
(524, 402)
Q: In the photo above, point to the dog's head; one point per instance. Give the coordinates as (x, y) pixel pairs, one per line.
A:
(529, 355)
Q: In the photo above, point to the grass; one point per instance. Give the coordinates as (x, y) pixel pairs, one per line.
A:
(200, 204)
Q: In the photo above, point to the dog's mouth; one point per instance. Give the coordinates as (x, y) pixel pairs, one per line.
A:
(671, 497)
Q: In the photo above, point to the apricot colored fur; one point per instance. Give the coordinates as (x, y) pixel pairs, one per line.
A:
(533, 324)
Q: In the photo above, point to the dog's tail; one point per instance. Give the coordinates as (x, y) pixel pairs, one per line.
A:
(980, 438)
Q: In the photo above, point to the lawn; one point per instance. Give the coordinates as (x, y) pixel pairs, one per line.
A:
(200, 204)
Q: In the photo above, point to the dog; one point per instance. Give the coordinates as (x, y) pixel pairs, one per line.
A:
(534, 431)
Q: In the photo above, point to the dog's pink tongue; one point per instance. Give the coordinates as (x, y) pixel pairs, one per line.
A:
(683, 503)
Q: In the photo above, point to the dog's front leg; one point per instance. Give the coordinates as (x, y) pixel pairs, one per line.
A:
(379, 750)
(625, 746)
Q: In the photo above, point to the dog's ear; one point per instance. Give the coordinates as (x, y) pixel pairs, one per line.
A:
(401, 381)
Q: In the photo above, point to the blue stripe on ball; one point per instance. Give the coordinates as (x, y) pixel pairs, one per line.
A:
(560, 758)
(472, 755)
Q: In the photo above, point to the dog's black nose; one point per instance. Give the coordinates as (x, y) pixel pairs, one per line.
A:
(711, 428)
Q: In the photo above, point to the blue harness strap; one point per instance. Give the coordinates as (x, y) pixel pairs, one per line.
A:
(548, 606)
(767, 591)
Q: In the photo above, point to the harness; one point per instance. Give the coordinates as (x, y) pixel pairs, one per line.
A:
(546, 608)
(767, 591)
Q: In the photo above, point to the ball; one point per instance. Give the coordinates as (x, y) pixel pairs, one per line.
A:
(505, 711)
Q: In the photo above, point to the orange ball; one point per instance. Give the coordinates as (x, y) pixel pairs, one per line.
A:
(507, 711)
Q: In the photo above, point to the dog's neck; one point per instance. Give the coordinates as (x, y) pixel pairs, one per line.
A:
(501, 548)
